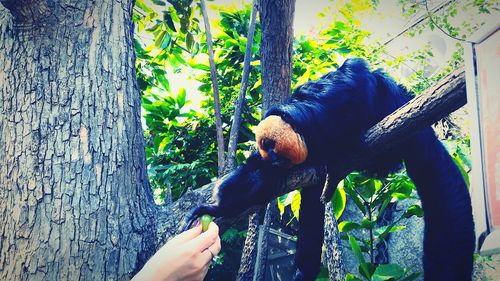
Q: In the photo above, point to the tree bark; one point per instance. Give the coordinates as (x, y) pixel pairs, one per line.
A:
(74, 195)
(249, 255)
(332, 244)
(276, 47)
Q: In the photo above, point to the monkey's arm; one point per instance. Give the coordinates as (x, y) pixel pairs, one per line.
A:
(254, 183)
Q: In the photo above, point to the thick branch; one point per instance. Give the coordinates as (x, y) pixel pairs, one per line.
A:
(439, 101)
(170, 216)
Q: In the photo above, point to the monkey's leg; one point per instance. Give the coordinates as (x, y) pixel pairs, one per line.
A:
(310, 237)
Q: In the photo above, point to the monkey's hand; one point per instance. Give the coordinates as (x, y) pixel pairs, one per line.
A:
(196, 213)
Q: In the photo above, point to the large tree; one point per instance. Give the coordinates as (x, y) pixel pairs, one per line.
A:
(75, 202)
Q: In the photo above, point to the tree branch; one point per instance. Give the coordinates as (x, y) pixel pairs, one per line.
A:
(235, 127)
(168, 217)
(440, 100)
(215, 85)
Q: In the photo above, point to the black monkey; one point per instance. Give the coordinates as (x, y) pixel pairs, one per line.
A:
(323, 123)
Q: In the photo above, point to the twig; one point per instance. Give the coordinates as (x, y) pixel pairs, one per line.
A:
(440, 28)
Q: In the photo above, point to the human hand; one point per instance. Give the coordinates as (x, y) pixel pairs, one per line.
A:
(184, 257)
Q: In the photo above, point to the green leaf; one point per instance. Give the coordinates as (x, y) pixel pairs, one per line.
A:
(343, 50)
(200, 66)
(159, 38)
(351, 277)
(167, 17)
(366, 269)
(346, 226)
(355, 198)
(339, 201)
(158, 2)
(387, 271)
(414, 210)
(181, 97)
(166, 41)
(141, 5)
(161, 147)
(384, 205)
(460, 166)
(164, 83)
(189, 41)
(356, 249)
(295, 206)
(281, 205)
(368, 224)
(367, 188)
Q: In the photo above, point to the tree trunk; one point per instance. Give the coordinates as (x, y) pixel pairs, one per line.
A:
(332, 243)
(74, 196)
(276, 48)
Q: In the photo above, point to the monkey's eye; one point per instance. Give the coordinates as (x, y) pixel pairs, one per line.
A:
(267, 144)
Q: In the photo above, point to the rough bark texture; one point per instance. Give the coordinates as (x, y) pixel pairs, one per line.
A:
(249, 255)
(75, 201)
(276, 47)
(332, 243)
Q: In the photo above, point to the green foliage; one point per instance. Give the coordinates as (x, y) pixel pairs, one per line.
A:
(292, 200)
(181, 150)
(371, 197)
(339, 200)
(460, 152)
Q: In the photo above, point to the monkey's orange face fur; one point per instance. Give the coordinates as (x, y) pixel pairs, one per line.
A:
(273, 135)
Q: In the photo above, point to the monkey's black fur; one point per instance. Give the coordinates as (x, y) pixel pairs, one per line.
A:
(332, 114)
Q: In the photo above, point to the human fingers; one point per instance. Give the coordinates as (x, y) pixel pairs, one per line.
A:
(211, 252)
(187, 235)
(215, 247)
(206, 239)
